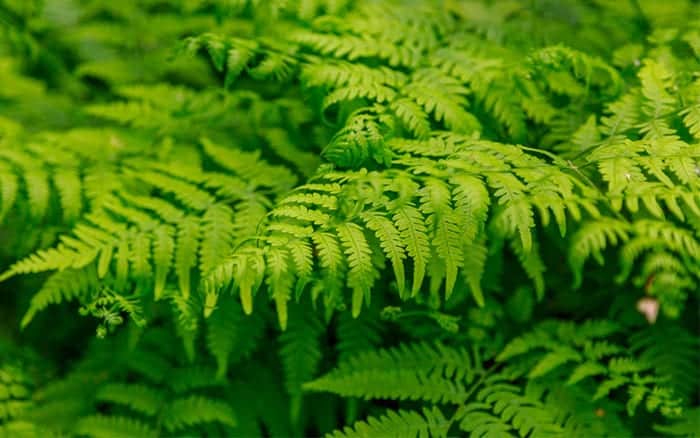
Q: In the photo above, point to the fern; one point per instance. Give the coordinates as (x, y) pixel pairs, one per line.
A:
(371, 218)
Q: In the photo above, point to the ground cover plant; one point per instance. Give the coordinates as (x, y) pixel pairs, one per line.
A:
(349, 218)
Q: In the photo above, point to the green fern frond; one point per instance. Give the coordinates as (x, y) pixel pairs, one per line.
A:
(193, 410)
(412, 372)
(361, 273)
(360, 140)
(500, 409)
(447, 105)
(103, 426)
(590, 240)
(61, 287)
(399, 424)
(410, 224)
(140, 398)
(390, 240)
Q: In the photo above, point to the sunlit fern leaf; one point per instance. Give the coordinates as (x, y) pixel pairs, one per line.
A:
(391, 243)
(9, 186)
(280, 280)
(412, 116)
(329, 251)
(361, 273)
(248, 166)
(447, 105)
(163, 251)
(692, 120)
(360, 140)
(475, 256)
(411, 225)
(69, 187)
(216, 241)
(186, 252)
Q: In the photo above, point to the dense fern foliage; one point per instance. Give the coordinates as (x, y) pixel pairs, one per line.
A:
(349, 218)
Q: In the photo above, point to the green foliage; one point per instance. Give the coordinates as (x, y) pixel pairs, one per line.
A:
(372, 218)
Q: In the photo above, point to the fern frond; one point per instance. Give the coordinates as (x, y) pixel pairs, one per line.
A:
(399, 424)
(412, 116)
(61, 287)
(163, 254)
(590, 240)
(103, 426)
(140, 398)
(412, 372)
(501, 408)
(359, 140)
(216, 241)
(410, 224)
(448, 105)
(186, 252)
(391, 243)
(248, 166)
(193, 410)
(361, 273)
(280, 280)
(60, 258)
